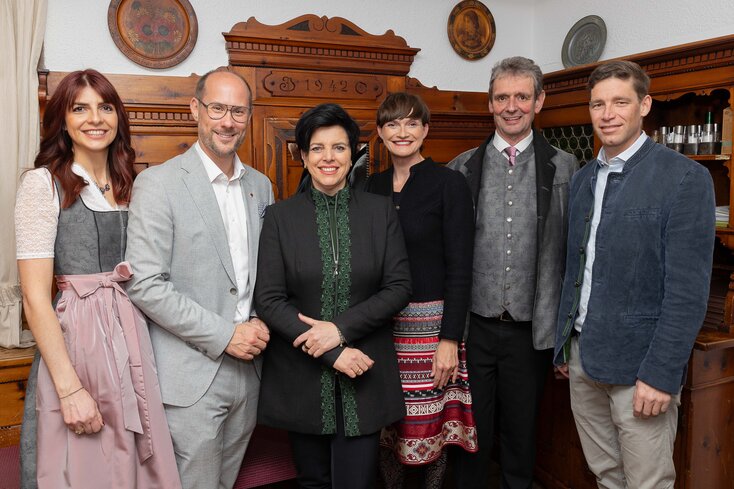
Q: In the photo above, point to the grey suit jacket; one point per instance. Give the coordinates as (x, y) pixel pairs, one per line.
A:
(183, 277)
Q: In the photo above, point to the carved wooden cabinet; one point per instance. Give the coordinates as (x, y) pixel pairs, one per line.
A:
(686, 82)
(310, 60)
(14, 367)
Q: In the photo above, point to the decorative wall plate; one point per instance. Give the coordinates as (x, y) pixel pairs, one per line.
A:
(471, 29)
(585, 41)
(153, 33)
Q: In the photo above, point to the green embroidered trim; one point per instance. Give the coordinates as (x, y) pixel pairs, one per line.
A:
(335, 291)
(349, 406)
(328, 411)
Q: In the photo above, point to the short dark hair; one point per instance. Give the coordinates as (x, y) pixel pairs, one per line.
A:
(326, 115)
(400, 105)
(517, 66)
(624, 70)
(201, 84)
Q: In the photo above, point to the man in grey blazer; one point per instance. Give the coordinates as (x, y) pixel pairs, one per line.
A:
(192, 241)
(519, 183)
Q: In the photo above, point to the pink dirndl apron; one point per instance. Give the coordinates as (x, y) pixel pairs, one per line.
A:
(109, 347)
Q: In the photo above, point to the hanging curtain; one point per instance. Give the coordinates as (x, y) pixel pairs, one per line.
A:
(22, 27)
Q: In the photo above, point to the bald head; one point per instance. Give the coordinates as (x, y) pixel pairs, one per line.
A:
(225, 77)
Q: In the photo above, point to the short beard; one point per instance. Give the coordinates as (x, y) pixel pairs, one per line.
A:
(208, 141)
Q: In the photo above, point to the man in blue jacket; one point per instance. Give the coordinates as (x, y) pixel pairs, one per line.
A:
(638, 265)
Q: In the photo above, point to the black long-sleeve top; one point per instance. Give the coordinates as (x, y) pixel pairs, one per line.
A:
(437, 217)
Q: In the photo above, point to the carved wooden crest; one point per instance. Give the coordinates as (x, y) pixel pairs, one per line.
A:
(310, 42)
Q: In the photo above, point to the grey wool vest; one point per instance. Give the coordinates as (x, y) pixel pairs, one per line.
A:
(505, 240)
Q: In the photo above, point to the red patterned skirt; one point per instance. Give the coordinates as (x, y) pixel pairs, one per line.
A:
(435, 417)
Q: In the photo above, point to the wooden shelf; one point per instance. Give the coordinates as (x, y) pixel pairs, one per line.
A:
(709, 157)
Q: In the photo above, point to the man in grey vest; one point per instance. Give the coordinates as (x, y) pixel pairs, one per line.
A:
(519, 183)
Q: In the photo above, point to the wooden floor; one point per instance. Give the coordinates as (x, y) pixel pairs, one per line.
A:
(9, 475)
(413, 483)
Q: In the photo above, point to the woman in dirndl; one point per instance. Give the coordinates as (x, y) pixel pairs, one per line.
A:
(436, 213)
(98, 410)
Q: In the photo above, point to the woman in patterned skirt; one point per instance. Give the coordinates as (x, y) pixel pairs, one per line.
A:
(436, 214)
(97, 406)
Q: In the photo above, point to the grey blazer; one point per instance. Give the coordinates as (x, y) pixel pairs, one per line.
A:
(183, 277)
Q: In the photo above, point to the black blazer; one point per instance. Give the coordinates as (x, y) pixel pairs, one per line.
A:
(289, 259)
(437, 217)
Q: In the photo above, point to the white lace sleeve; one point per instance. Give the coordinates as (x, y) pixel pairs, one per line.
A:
(36, 216)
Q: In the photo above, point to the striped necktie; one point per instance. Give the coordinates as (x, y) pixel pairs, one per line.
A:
(511, 153)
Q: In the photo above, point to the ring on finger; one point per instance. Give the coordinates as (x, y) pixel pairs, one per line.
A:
(79, 431)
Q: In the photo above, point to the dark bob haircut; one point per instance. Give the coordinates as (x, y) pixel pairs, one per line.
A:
(326, 115)
(401, 105)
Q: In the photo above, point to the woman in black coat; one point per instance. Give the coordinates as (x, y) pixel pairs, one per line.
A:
(332, 271)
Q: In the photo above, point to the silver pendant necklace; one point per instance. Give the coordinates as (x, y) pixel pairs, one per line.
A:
(102, 188)
(334, 235)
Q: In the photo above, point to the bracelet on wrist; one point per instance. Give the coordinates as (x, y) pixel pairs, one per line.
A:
(342, 340)
(71, 393)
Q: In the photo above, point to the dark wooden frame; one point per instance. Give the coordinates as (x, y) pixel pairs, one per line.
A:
(484, 20)
(116, 21)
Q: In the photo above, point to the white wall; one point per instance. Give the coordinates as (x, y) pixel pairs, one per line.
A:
(633, 26)
(77, 35)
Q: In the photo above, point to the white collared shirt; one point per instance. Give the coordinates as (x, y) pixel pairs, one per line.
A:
(521, 146)
(615, 165)
(234, 215)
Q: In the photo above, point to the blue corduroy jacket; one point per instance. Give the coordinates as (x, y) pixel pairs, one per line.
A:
(651, 270)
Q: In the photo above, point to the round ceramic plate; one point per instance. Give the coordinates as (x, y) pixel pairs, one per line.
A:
(471, 29)
(153, 33)
(585, 41)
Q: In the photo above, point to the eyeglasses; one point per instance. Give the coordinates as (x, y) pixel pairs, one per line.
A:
(217, 111)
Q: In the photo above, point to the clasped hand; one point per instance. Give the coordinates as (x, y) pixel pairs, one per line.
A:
(321, 337)
(249, 339)
(324, 336)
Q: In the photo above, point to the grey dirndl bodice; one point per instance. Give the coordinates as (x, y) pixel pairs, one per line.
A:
(88, 241)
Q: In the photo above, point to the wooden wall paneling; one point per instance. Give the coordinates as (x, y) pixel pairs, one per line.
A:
(707, 423)
(459, 120)
(559, 469)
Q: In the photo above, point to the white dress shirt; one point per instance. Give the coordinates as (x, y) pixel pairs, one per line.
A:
(521, 146)
(234, 215)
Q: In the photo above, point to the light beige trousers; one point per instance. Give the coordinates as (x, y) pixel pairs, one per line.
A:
(624, 452)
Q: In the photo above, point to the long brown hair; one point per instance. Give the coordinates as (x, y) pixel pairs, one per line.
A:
(56, 151)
